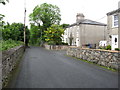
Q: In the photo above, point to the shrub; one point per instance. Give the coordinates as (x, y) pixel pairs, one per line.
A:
(51, 43)
(108, 47)
(64, 43)
(117, 49)
(5, 45)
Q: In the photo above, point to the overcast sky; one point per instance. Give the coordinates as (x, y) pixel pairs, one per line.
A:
(92, 9)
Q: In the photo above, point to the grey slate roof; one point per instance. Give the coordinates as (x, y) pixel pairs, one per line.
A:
(114, 11)
(89, 22)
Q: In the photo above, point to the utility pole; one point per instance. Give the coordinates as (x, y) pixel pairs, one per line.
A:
(24, 22)
(41, 37)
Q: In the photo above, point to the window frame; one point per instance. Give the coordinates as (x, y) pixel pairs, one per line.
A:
(113, 21)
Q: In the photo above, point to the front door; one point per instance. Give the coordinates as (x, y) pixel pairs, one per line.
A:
(77, 42)
(114, 42)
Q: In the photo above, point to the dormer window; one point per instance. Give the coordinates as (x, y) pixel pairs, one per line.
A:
(115, 20)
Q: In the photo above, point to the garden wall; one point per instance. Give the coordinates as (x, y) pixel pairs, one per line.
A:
(9, 60)
(101, 57)
(56, 47)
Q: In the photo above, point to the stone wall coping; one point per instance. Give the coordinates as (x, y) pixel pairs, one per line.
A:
(112, 51)
(56, 45)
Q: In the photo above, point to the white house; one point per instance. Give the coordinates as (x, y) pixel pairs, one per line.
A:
(85, 32)
(112, 29)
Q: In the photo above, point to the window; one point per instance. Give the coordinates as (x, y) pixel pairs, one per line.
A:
(115, 40)
(115, 21)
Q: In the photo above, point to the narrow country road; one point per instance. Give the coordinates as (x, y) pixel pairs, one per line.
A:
(41, 68)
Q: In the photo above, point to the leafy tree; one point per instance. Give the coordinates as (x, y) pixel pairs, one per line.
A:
(53, 34)
(45, 14)
(65, 25)
(15, 31)
(34, 34)
(1, 17)
(1, 21)
(4, 1)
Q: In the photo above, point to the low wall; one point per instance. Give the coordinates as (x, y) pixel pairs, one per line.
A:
(101, 57)
(56, 47)
(9, 61)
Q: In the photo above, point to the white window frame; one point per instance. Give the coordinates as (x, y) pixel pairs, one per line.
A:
(114, 21)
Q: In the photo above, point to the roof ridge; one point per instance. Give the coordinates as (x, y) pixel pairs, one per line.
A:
(114, 11)
(88, 21)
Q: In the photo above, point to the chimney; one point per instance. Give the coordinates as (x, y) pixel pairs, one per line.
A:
(79, 17)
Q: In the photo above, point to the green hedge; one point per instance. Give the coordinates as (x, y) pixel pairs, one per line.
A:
(5, 45)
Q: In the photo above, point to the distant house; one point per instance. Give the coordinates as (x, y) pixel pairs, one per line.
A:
(112, 29)
(85, 32)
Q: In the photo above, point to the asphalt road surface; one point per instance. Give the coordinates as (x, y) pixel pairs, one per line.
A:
(41, 68)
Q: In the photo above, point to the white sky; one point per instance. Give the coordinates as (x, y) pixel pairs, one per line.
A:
(92, 9)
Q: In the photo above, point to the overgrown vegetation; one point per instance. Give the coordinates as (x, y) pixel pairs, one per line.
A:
(117, 49)
(108, 47)
(45, 19)
(4, 1)
(43, 16)
(45, 25)
(5, 45)
(53, 35)
(14, 31)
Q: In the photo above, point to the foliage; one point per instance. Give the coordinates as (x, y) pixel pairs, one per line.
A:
(1, 21)
(4, 1)
(15, 31)
(9, 44)
(48, 14)
(117, 49)
(65, 25)
(35, 34)
(45, 14)
(64, 43)
(53, 35)
(1, 17)
(108, 47)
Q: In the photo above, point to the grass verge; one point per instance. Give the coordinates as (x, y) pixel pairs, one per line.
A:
(108, 68)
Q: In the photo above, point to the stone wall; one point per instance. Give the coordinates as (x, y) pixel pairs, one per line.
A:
(101, 57)
(56, 47)
(9, 60)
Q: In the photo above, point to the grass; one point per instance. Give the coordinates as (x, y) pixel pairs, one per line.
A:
(5, 45)
(108, 68)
